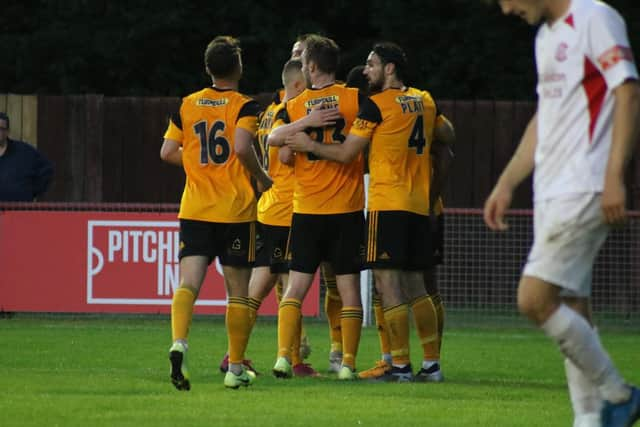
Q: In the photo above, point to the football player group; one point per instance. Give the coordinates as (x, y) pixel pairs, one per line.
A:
(306, 155)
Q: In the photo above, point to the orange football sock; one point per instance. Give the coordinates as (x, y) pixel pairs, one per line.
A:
(238, 322)
(439, 305)
(182, 312)
(351, 324)
(426, 321)
(397, 319)
(289, 315)
(381, 325)
(333, 310)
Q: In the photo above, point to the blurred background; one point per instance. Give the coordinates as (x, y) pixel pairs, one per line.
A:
(459, 49)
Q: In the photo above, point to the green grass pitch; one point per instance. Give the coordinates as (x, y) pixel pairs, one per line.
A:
(113, 371)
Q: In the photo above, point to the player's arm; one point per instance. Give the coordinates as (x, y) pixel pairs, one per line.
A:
(317, 117)
(244, 148)
(171, 150)
(342, 153)
(444, 138)
(359, 136)
(519, 167)
(626, 132)
(611, 53)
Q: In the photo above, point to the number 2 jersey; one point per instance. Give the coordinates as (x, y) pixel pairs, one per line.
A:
(218, 187)
(324, 187)
(399, 124)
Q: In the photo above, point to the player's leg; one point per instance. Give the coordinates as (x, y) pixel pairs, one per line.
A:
(568, 235)
(192, 273)
(280, 285)
(195, 256)
(350, 322)
(381, 327)
(332, 308)
(289, 319)
(237, 260)
(390, 286)
(304, 253)
(540, 301)
(383, 365)
(585, 396)
(430, 274)
(261, 282)
(345, 247)
(238, 321)
(387, 252)
(431, 286)
(424, 311)
(298, 350)
(426, 321)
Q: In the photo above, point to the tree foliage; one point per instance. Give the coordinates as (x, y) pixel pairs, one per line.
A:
(460, 49)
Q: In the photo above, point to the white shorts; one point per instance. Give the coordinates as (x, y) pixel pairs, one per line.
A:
(568, 233)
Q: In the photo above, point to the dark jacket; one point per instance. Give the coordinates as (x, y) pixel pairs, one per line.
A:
(24, 172)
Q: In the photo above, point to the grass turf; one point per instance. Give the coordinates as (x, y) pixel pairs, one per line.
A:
(113, 371)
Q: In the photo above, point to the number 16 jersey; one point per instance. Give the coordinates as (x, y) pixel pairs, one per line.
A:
(218, 187)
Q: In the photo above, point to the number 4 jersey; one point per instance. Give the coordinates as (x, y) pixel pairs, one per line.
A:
(399, 125)
(218, 187)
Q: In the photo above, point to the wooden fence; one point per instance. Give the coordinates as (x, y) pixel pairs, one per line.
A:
(23, 115)
(107, 149)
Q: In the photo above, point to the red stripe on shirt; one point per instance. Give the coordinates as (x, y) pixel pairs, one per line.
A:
(595, 88)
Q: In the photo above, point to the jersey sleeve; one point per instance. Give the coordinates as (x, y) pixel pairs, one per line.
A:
(367, 120)
(281, 117)
(174, 130)
(609, 46)
(248, 117)
(429, 99)
(277, 110)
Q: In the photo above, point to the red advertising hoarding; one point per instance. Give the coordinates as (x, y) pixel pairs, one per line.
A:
(105, 262)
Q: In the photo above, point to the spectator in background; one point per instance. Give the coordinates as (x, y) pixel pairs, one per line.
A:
(24, 172)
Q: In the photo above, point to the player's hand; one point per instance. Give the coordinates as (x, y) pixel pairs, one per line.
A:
(614, 198)
(300, 142)
(286, 155)
(495, 207)
(319, 116)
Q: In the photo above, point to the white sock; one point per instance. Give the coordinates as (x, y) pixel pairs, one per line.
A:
(426, 364)
(387, 357)
(585, 396)
(587, 420)
(183, 342)
(235, 368)
(579, 343)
